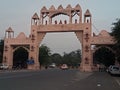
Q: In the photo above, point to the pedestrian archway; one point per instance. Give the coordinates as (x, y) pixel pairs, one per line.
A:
(104, 55)
(20, 57)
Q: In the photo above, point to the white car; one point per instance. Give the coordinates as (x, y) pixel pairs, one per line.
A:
(53, 65)
(3, 66)
(114, 70)
(64, 67)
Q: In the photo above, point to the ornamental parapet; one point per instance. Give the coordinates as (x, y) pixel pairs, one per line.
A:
(61, 28)
(15, 41)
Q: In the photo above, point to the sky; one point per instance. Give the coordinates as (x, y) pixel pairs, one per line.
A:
(17, 14)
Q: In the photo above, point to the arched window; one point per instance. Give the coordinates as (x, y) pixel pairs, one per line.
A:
(60, 19)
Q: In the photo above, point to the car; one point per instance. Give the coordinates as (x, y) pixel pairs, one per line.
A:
(3, 66)
(114, 70)
(64, 67)
(53, 65)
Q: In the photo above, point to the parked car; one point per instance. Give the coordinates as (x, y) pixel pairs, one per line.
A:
(3, 66)
(64, 67)
(114, 70)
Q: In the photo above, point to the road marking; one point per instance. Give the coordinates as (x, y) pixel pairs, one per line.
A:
(118, 82)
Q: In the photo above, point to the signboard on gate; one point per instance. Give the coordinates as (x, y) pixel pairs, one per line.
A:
(30, 61)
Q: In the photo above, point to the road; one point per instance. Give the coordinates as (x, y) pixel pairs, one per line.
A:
(56, 79)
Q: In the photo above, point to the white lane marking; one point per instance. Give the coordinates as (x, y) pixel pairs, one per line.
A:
(118, 82)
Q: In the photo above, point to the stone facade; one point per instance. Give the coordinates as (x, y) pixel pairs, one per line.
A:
(82, 27)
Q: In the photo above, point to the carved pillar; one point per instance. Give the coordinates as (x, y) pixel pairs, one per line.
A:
(85, 40)
(41, 17)
(8, 54)
(87, 62)
(34, 50)
(70, 19)
(80, 17)
(50, 20)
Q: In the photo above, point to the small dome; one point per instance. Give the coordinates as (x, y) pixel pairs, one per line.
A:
(104, 33)
(21, 36)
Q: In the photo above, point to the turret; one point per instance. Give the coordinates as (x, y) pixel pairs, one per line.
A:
(9, 33)
(87, 17)
(35, 19)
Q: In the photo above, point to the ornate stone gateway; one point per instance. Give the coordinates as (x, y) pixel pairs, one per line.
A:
(46, 23)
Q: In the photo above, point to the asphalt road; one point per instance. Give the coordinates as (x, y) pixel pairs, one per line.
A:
(56, 79)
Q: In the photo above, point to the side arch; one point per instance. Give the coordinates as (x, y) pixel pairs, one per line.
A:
(104, 55)
(95, 49)
(20, 57)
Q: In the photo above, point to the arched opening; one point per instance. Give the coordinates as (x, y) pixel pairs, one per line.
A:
(104, 56)
(20, 57)
(64, 47)
(46, 20)
(75, 19)
(60, 19)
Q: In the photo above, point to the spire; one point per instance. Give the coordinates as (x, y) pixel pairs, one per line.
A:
(69, 7)
(87, 13)
(77, 7)
(9, 30)
(44, 8)
(60, 7)
(52, 8)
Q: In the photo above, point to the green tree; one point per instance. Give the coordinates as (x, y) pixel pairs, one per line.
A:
(116, 34)
(56, 58)
(44, 55)
(116, 31)
(73, 58)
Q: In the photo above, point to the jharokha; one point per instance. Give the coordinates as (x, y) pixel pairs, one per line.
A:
(77, 22)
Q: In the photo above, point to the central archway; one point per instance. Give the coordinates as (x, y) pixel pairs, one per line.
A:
(57, 42)
(66, 44)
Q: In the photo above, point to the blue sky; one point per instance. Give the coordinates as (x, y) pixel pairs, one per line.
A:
(18, 13)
